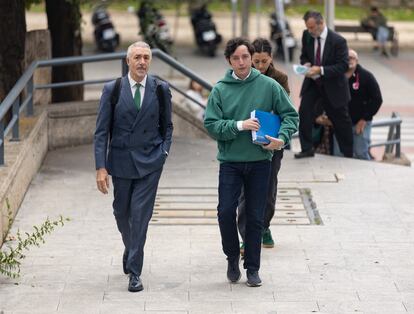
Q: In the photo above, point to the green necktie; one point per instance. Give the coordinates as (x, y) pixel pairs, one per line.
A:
(137, 97)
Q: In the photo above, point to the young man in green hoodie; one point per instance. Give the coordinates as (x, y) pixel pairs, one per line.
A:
(243, 163)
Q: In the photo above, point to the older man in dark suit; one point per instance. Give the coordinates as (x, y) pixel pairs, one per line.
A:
(132, 141)
(326, 54)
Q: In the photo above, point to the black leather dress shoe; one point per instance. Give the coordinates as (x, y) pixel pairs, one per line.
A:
(135, 283)
(124, 261)
(304, 154)
(233, 270)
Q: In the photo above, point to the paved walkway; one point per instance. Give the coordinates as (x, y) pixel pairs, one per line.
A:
(361, 260)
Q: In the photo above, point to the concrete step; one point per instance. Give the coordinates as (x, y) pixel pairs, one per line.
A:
(160, 199)
(213, 213)
(198, 206)
(213, 221)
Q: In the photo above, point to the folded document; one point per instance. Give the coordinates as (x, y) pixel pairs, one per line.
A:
(300, 69)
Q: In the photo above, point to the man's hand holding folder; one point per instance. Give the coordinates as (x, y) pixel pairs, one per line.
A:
(275, 143)
(251, 124)
(266, 134)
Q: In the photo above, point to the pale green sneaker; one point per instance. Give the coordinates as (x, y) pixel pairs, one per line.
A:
(267, 240)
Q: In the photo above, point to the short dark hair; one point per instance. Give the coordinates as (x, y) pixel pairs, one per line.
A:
(234, 43)
(311, 14)
(262, 45)
(374, 9)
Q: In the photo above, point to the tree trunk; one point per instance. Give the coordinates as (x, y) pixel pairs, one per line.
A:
(13, 36)
(64, 22)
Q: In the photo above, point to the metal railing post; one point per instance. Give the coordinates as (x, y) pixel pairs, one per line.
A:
(1, 142)
(124, 67)
(398, 145)
(389, 147)
(30, 89)
(15, 111)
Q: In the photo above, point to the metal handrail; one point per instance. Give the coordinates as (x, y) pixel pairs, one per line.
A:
(181, 68)
(394, 134)
(394, 120)
(17, 89)
(180, 91)
(14, 98)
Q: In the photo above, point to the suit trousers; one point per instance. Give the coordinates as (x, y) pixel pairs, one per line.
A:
(133, 206)
(254, 177)
(338, 115)
(270, 197)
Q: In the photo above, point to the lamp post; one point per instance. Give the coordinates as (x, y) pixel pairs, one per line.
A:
(234, 17)
(280, 13)
(330, 13)
(245, 19)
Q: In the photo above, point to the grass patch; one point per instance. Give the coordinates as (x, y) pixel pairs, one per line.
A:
(341, 11)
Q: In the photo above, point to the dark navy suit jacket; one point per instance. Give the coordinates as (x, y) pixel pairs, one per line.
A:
(335, 64)
(137, 147)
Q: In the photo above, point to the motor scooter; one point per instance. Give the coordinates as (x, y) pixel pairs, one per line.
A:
(205, 32)
(277, 36)
(106, 38)
(154, 28)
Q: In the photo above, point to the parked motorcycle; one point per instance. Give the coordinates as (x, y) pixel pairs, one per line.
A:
(106, 38)
(153, 27)
(277, 36)
(205, 32)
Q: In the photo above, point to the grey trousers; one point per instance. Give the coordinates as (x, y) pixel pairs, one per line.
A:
(270, 199)
(133, 206)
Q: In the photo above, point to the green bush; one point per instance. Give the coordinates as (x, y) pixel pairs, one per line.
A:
(10, 260)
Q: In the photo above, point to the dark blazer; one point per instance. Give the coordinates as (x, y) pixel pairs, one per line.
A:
(366, 98)
(335, 64)
(279, 77)
(137, 147)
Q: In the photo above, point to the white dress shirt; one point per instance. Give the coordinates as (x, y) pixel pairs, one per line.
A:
(240, 123)
(238, 78)
(133, 86)
(323, 36)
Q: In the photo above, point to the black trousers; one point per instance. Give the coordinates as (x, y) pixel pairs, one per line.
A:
(338, 115)
(270, 197)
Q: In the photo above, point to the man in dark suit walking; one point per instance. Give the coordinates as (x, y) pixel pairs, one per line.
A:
(326, 54)
(132, 141)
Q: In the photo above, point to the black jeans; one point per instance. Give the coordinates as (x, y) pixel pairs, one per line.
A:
(254, 178)
(270, 197)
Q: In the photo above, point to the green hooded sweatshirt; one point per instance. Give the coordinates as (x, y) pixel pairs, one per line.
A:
(232, 100)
